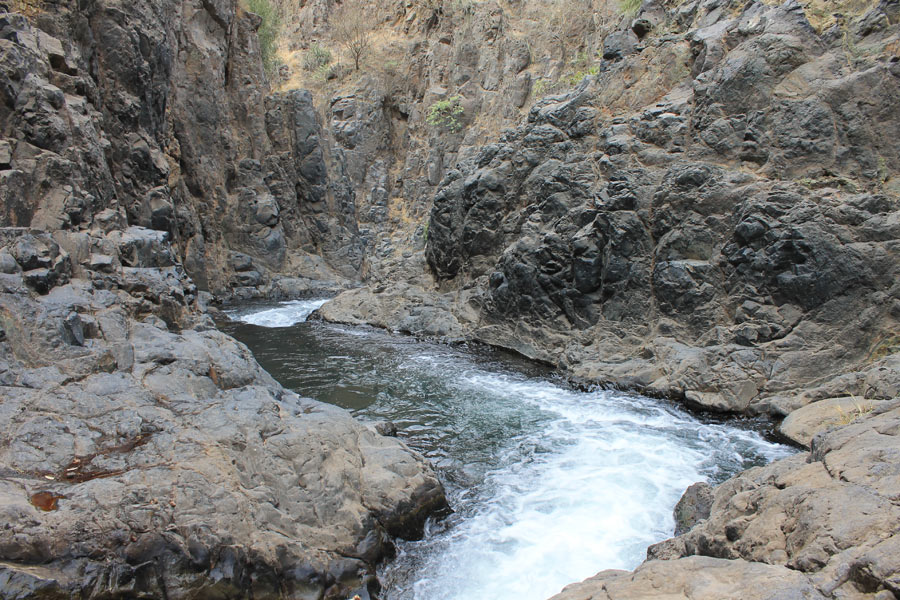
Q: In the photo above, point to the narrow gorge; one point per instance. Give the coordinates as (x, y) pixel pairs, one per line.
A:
(546, 481)
(574, 220)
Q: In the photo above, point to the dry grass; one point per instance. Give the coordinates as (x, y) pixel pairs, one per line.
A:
(885, 346)
(860, 408)
(630, 7)
(383, 58)
(29, 8)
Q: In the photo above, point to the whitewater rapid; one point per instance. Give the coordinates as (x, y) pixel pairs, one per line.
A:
(549, 484)
(285, 314)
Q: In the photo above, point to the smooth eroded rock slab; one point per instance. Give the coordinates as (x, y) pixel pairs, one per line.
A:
(695, 578)
(804, 423)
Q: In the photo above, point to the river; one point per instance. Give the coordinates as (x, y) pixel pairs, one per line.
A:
(549, 484)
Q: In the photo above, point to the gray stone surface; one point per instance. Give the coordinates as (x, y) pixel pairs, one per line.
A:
(146, 454)
(693, 507)
(803, 424)
(830, 513)
(695, 578)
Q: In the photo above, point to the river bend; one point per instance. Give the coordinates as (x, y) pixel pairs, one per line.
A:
(548, 484)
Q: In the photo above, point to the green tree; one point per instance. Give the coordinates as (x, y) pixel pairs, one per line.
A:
(268, 31)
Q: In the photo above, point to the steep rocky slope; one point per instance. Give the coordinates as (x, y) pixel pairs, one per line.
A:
(159, 112)
(712, 217)
(143, 453)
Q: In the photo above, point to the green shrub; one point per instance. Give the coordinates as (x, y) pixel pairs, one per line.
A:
(543, 86)
(576, 77)
(446, 114)
(316, 57)
(268, 31)
(883, 173)
(630, 7)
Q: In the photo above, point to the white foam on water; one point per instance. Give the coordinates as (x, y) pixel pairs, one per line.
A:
(549, 484)
(589, 491)
(285, 314)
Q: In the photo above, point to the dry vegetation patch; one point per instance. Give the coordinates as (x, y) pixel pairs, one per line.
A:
(29, 8)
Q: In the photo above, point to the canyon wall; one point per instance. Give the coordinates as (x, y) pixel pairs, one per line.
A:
(158, 114)
(143, 453)
(708, 213)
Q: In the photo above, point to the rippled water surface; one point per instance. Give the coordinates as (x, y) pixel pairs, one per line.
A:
(549, 484)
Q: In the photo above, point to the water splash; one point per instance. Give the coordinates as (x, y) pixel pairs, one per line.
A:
(588, 486)
(285, 314)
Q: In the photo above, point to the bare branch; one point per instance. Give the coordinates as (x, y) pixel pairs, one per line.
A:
(352, 28)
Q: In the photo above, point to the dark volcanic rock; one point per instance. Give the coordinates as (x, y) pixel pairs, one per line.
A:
(722, 193)
(712, 215)
(159, 113)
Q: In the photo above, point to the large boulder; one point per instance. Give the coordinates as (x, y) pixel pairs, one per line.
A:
(830, 513)
(148, 454)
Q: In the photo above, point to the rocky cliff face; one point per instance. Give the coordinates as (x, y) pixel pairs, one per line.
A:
(145, 454)
(160, 114)
(711, 216)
